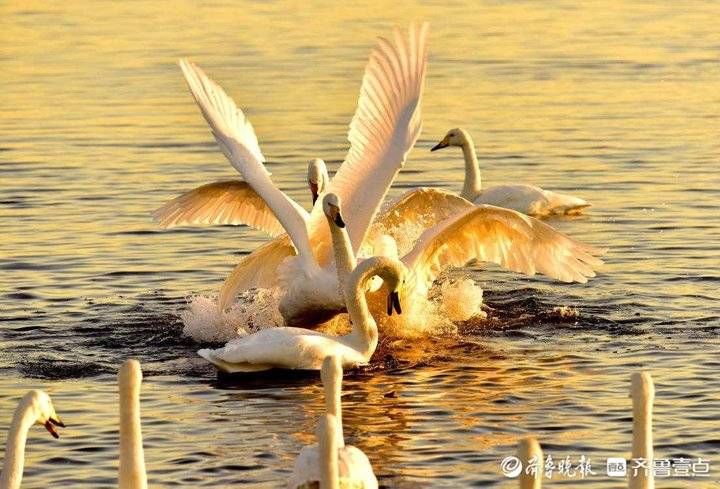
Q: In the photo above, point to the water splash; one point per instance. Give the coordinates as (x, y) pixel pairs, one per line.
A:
(461, 300)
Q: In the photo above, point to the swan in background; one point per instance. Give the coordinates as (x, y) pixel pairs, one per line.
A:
(131, 470)
(299, 348)
(527, 199)
(529, 451)
(35, 407)
(384, 128)
(642, 392)
(352, 463)
(232, 202)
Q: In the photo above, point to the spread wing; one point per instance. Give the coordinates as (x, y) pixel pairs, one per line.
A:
(225, 202)
(385, 126)
(236, 138)
(512, 240)
(258, 269)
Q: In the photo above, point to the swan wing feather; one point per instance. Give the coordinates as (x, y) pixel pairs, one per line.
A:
(512, 240)
(231, 202)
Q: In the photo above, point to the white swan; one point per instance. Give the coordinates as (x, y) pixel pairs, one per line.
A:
(34, 408)
(232, 202)
(328, 437)
(642, 392)
(384, 128)
(131, 471)
(529, 451)
(527, 199)
(353, 464)
(299, 348)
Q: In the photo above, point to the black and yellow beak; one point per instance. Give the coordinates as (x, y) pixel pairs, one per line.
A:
(336, 216)
(314, 189)
(442, 144)
(393, 302)
(50, 425)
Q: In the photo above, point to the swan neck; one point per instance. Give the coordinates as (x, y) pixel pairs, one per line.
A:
(333, 404)
(642, 445)
(12, 472)
(132, 473)
(345, 261)
(364, 335)
(328, 450)
(473, 184)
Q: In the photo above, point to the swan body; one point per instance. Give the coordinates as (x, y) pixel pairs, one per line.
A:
(642, 392)
(36, 407)
(383, 130)
(352, 464)
(527, 199)
(299, 348)
(131, 470)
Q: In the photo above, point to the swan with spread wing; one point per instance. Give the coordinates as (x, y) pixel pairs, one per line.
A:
(384, 128)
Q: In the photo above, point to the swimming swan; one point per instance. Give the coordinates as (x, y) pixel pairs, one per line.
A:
(353, 464)
(384, 128)
(642, 392)
(527, 199)
(131, 471)
(34, 408)
(232, 202)
(300, 348)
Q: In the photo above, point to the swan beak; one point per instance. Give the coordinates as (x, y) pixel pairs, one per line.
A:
(50, 426)
(314, 189)
(393, 302)
(442, 144)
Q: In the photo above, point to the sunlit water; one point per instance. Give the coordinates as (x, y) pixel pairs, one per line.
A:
(616, 103)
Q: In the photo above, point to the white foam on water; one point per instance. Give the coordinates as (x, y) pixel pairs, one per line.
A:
(461, 299)
(253, 311)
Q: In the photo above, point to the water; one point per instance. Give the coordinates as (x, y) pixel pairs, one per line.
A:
(617, 103)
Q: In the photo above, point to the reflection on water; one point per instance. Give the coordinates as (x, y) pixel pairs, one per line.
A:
(616, 103)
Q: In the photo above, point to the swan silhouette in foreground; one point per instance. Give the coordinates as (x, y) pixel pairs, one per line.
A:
(642, 392)
(35, 407)
(527, 199)
(384, 128)
(131, 471)
(530, 453)
(353, 465)
(299, 348)
(232, 202)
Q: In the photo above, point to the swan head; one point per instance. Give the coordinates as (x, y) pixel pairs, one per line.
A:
(393, 273)
(454, 137)
(317, 176)
(331, 208)
(41, 406)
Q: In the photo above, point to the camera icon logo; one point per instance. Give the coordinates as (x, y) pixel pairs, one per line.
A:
(616, 467)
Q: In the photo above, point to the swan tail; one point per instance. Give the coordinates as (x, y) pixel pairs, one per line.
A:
(563, 204)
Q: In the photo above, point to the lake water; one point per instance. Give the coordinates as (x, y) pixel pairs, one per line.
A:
(616, 102)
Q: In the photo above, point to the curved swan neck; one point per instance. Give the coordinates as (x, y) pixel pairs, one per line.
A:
(643, 395)
(12, 472)
(328, 450)
(364, 329)
(473, 184)
(345, 261)
(132, 473)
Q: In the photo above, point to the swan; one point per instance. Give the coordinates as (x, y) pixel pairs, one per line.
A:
(529, 449)
(299, 348)
(35, 407)
(131, 471)
(642, 392)
(232, 202)
(527, 199)
(486, 233)
(384, 128)
(328, 445)
(353, 463)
